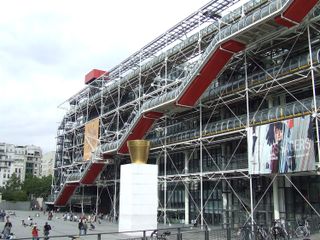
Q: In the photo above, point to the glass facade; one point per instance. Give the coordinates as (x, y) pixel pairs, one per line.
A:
(203, 150)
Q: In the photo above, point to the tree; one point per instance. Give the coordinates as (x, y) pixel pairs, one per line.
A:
(13, 183)
(13, 190)
(37, 187)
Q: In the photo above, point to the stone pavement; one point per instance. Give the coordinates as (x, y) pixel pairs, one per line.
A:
(58, 225)
(61, 227)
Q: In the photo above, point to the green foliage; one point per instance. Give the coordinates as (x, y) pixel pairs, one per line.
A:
(12, 191)
(32, 186)
(15, 196)
(13, 183)
(38, 187)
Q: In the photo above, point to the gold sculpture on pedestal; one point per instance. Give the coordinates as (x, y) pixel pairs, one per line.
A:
(139, 151)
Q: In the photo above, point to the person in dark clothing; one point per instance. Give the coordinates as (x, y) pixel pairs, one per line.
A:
(7, 228)
(46, 230)
(81, 228)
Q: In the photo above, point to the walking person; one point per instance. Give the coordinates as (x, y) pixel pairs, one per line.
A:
(50, 215)
(81, 227)
(85, 227)
(46, 230)
(35, 233)
(7, 229)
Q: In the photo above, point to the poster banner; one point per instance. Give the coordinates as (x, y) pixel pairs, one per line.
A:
(282, 147)
(91, 138)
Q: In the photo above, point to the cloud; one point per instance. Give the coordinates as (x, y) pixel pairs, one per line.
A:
(47, 47)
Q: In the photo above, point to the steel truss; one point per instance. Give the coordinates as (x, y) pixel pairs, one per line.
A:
(286, 83)
(215, 122)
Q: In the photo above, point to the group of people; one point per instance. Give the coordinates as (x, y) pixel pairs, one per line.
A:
(35, 230)
(46, 231)
(70, 217)
(83, 226)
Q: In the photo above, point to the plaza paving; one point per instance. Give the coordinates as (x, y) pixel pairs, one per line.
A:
(58, 225)
(61, 227)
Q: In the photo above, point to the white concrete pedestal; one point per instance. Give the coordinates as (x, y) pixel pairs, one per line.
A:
(138, 197)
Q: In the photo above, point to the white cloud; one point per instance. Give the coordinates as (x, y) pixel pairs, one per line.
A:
(47, 47)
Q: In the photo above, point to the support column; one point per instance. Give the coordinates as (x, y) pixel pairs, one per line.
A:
(252, 207)
(115, 192)
(201, 169)
(248, 126)
(82, 211)
(225, 192)
(225, 198)
(229, 193)
(165, 177)
(281, 187)
(276, 209)
(275, 189)
(97, 201)
(186, 190)
(288, 193)
(224, 203)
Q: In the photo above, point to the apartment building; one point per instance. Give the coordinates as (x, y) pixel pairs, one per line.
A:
(19, 160)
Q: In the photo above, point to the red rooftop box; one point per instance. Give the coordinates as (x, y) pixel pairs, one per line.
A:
(92, 75)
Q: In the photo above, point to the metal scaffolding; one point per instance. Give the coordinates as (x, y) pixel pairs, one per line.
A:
(201, 148)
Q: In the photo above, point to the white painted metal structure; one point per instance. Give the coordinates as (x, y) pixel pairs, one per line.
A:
(201, 148)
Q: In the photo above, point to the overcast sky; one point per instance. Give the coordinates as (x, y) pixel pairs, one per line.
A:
(47, 47)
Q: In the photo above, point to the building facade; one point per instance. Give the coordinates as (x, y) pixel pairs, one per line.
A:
(19, 160)
(229, 103)
(47, 164)
(33, 156)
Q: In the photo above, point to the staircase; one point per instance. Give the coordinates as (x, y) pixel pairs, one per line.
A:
(223, 47)
(220, 51)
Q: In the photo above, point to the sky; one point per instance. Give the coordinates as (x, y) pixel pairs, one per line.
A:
(47, 47)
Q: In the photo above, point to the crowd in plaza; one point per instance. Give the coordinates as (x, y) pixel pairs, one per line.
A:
(85, 223)
(8, 234)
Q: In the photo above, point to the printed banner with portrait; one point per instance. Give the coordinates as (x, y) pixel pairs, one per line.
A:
(282, 147)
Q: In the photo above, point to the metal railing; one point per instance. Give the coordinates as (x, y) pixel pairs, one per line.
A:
(178, 233)
(290, 110)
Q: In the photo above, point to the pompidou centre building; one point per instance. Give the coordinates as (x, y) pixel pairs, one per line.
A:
(229, 103)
